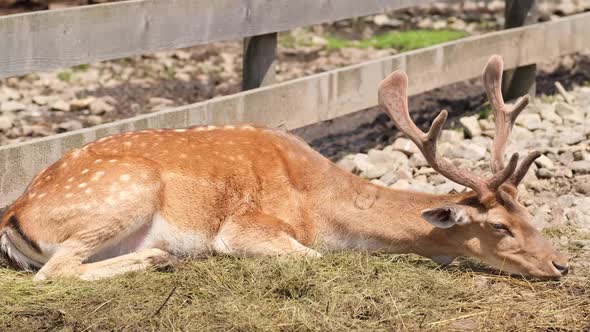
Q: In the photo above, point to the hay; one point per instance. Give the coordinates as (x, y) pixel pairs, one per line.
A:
(344, 291)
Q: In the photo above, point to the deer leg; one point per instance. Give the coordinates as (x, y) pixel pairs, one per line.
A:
(69, 264)
(259, 234)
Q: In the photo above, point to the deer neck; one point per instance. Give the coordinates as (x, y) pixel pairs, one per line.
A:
(366, 216)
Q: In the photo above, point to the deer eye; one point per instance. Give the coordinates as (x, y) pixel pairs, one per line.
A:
(501, 228)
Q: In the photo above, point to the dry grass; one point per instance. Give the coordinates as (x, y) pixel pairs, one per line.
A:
(348, 291)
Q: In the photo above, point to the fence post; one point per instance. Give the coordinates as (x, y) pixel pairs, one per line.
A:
(259, 61)
(519, 81)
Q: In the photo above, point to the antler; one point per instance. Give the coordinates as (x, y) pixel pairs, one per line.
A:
(393, 98)
(505, 115)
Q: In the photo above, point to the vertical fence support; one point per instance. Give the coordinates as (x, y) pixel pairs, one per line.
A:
(259, 61)
(519, 81)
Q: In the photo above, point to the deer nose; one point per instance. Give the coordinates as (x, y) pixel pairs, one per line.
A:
(561, 267)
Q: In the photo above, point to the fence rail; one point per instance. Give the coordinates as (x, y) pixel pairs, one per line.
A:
(319, 97)
(53, 39)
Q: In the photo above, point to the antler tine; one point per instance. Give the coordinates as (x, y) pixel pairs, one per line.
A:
(524, 166)
(504, 115)
(393, 98)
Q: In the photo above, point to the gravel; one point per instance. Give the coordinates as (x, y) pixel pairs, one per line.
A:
(556, 187)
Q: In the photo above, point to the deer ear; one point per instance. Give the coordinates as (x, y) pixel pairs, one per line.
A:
(447, 216)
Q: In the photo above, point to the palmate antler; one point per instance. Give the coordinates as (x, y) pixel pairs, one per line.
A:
(505, 116)
(393, 98)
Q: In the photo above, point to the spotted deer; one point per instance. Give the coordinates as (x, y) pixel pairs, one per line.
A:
(140, 199)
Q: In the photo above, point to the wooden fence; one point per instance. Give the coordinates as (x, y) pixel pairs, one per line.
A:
(47, 40)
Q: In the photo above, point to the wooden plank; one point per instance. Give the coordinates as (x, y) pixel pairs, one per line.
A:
(259, 61)
(319, 97)
(519, 81)
(45, 40)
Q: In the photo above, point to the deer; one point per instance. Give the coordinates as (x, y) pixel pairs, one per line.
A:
(139, 200)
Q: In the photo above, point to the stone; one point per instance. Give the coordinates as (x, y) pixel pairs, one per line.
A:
(529, 121)
(6, 122)
(545, 162)
(160, 101)
(417, 160)
(406, 146)
(60, 105)
(568, 138)
(69, 126)
(543, 173)
(361, 162)
(580, 167)
(347, 163)
(396, 159)
(100, 106)
(471, 125)
(12, 106)
(402, 184)
(42, 100)
(450, 136)
(380, 157)
(564, 109)
(549, 114)
(80, 104)
(540, 217)
(94, 120)
(8, 93)
(468, 150)
(582, 184)
(374, 171)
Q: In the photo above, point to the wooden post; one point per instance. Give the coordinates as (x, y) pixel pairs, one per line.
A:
(519, 81)
(259, 61)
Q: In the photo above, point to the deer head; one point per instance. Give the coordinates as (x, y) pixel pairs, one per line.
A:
(493, 225)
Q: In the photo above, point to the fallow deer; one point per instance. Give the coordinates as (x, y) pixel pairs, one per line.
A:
(134, 200)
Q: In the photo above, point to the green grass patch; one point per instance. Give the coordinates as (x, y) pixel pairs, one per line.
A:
(401, 40)
(347, 291)
(65, 76)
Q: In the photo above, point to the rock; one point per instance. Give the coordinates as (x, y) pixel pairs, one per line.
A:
(42, 100)
(568, 138)
(390, 177)
(6, 122)
(541, 216)
(60, 105)
(449, 187)
(544, 162)
(450, 136)
(347, 163)
(544, 173)
(471, 125)
(380, 157)
(374, 171)
(421, 187)
(94, 120)
(468, 150)
(160, 101)
(11, 106)
(582, 184)
(529, 121)
(406, 146)
(80, 104)
(402, 184)
(569, 113)
(417, 160)
(8, 93)
(549, 114)
(379, 182)
(564, 109)
(99, 107)
(397, 159)
(361, 162)
(69, 126)
(580, 167)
